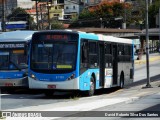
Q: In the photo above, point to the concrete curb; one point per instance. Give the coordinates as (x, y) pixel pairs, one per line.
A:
(152, 59)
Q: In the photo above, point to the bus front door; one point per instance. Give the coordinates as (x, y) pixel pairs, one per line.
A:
(115, 64)
(101, 64)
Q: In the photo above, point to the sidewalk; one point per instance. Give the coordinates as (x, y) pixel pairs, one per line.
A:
(74, 106)
(77, 104)
(152, 57)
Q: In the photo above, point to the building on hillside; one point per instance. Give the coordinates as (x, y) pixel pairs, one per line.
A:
(72, 9)
(42, 11)
(56, 9)
(60, 9)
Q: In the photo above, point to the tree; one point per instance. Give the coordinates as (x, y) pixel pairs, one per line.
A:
(138, 11)
(19, 14)
(153, 11)
(56, 25)
(105, 11)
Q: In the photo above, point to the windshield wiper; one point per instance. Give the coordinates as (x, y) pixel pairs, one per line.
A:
(15, 65)
(59, 54)
(45, 48)
(47, 51)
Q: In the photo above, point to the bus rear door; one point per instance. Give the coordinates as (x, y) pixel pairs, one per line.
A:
(115, 64)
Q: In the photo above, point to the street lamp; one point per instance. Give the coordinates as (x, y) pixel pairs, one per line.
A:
(140, 24)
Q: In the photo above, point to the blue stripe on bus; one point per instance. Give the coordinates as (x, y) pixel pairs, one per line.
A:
(52, 77)
(11, 75)
(84, 79)
(88, 36)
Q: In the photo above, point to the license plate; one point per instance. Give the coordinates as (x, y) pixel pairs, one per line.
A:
(51, 86)
(8, 84)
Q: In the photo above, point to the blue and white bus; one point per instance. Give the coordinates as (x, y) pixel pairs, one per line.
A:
(72, 60)
(13, 58)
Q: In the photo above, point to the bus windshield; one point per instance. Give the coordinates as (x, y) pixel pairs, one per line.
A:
(13, 60)
(53, 56)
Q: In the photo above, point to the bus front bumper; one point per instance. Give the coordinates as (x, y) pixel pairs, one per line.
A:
(18, 82)
(64, 85)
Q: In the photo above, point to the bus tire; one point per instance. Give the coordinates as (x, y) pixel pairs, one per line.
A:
(91, 91)
(49, 93)
(121, 81)
(10, 90)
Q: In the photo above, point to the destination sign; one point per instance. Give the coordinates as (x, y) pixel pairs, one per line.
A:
(12, 45)
(56, 37)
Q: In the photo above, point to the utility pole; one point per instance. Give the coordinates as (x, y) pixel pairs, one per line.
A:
(41, 17)
(37, 14)
(49, 22)
(147, 48)
(150, 1)
(159, 32)
(125, 16)
(3, 24)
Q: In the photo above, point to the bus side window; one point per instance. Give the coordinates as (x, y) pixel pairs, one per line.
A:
(84, 55)
(108, 55)
(93, 53)
(121, 53)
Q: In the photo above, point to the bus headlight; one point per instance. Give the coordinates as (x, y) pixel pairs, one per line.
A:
(71, 77)
(33, 76)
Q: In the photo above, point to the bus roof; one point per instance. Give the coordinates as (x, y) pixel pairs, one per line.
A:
(93, 36)
(102, 37)
(16, 36)
(114, 39)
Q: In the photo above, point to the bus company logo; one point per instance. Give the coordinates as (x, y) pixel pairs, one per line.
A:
(12, 45)
(43, 79)
(6, 114)
(21, 114)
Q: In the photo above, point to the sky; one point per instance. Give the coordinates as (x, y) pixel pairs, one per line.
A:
(25, 3)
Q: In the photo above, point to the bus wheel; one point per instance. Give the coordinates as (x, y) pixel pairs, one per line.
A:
(121, 81)
(49, 93)
(92, 87)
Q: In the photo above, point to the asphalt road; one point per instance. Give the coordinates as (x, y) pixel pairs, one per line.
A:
(27, 98)
(145, 108)
(141, 70)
